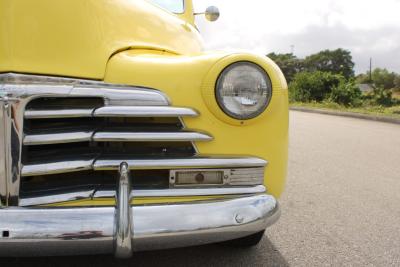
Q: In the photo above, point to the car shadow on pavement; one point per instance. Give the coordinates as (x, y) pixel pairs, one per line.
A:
(265, 254)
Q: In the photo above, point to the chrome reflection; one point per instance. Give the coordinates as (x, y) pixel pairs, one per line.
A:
(65, 231)
(105, 163)
(3, 142)
(118, 111)
(95, 194)
(114, 136)
(11, 135)
(57, 113)
(17, 90)
(123, 215)
(190, 136)
(176, 163)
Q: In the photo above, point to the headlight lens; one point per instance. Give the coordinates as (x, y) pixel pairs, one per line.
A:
(243, 90)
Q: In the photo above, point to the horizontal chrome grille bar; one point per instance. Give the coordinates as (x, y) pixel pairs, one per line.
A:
(27, 87)
(176, 163)
(93, 194)
(141, 164)
(103, 136)
(57, 138)
(159, 111)
(150, 136)
(58, 113)
(57, 167)
(112, 111)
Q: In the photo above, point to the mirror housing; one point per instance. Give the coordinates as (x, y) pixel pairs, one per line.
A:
(211, 13)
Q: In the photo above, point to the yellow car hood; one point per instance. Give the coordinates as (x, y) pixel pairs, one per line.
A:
(77, 37)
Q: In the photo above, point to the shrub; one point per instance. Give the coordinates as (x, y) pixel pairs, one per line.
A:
(346, 93)
(382, 97)
(313, 86)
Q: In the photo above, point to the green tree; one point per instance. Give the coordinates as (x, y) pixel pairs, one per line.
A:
(346, 93)
(363, 78)
(288, 63)
(397, 81)
(381, 78)
(337, 61)
(381, 97)
(313, 86)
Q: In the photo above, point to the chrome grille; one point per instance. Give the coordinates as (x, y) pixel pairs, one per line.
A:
(64, 135)
(108, 133)
(72, 130)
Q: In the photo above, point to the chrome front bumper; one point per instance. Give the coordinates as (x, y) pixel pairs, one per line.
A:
(71, 231)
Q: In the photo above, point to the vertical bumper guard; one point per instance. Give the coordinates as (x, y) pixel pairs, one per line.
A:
(123, 224)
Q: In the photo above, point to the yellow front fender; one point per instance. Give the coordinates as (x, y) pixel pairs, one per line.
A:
(190, 80)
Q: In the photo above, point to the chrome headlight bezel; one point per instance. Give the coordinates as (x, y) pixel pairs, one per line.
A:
(265, 97)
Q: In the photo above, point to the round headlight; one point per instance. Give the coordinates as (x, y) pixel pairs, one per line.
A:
(243, 90)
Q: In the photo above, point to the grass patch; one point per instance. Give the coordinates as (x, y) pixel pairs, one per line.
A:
(393, 112)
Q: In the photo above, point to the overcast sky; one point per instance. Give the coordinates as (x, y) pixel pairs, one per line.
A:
(367, 28)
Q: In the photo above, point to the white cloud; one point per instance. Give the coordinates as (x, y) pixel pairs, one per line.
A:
(367, 28)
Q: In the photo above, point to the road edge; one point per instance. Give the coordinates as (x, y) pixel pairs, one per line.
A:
(347, 114)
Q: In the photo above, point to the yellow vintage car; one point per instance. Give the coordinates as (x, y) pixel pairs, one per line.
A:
(119, 133)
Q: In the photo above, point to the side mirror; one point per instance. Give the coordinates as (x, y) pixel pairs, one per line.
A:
(211, 13)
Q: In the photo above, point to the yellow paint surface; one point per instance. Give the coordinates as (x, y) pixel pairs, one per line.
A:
(77, 37)
(189, 81)
(136, 43)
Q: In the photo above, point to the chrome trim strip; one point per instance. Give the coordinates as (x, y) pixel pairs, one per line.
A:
(51, 199)
(66, 231)
(144, 111)
(115, 95)
(3, 164)
(27, 87)
(92, 194)
(150, 136)
(57, 138)
(57, 167)
(58, 113)
(243, 190)
(82, 136)
(112, 111)
(176, 163)
(140, 164)
(123, 215)
(11, 134)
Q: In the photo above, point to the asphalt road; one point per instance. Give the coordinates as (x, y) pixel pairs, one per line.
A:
(341, 206)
